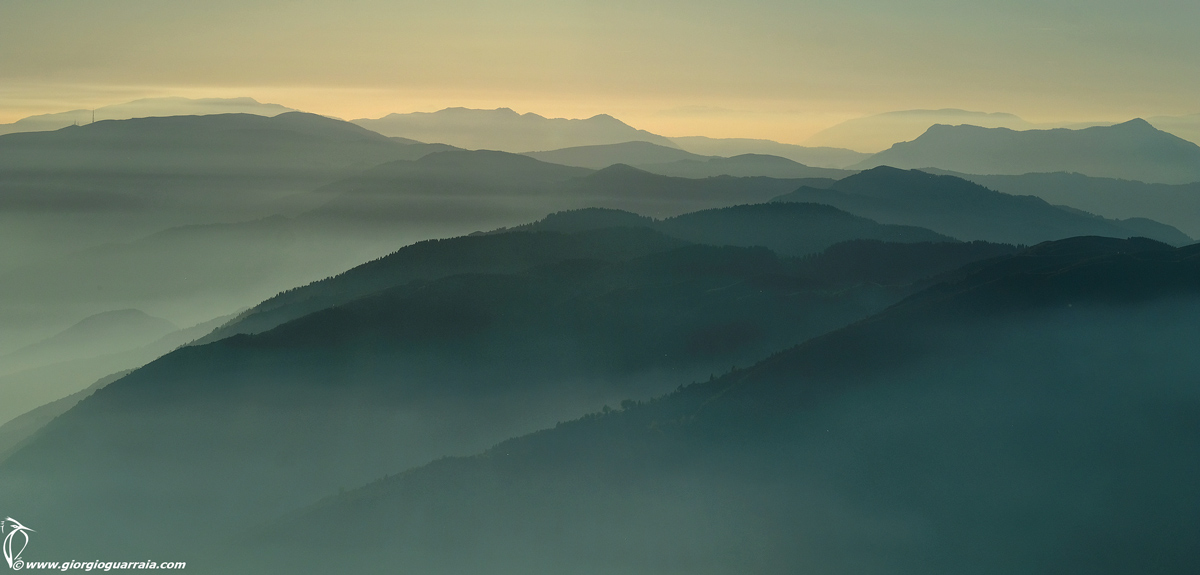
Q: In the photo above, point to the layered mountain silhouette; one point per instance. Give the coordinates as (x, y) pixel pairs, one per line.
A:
(1186, 127)
(188, 274)
(603, 156)
(968, 211)
(878, 132)
(473, 186)
(203, 144)
(678, 163)
(429, 361)
(435, 259)
(745, 165)
(628, 188)
(198, 271)
(787, 228)
(90, 207)
(481, 173)
(1134, 150)
(94, 335)
(819, 157)
(69, 375)
(144, 108)
(225, 162)
(1031, 416)
(16, 431)
(112, 251)
(790, 229)
(444, 194)
(1174, 205)
(562, 395)
(505, 130)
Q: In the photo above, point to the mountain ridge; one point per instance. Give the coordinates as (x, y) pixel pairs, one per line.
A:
(144, 108)
(895, 419)
(1132, 150)
(506, 130)
(966, 210)
(820, 156)
(363, 385)
(1175, 205)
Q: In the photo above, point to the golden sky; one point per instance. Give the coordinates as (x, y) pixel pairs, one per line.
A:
(754, 68)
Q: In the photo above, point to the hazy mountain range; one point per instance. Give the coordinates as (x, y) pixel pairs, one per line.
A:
(144, 108)
(505, 130)
(959, 428)
(1186, 127)
(498, 188)
(344, 203)
(228, 164)
(99, 334)
(71, 372)
(674, 162)
(968, 211)
(787, 229)
(880, 131)
(16, 431)
(745, 165)
(820, 157)
(124, 214)
(1134, 150)
(101, 198)
(1175, 205)
(501, 129)
(397, 361)
(828, 439)
(408, 359)
(603, 156)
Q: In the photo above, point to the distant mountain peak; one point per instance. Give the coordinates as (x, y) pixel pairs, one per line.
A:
(1136, 123)
(465, 110)
(621, 170)
(888, 170)
(117, 314)
(819, 157)
(944, 126)
(145, 108)
(951, 112)
(888, 181)
(98, 334)
(240, 100)
(507, 130)
(966, 210)
(890, 175)
(1132, 150)
(879, 131)
(606, 118)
